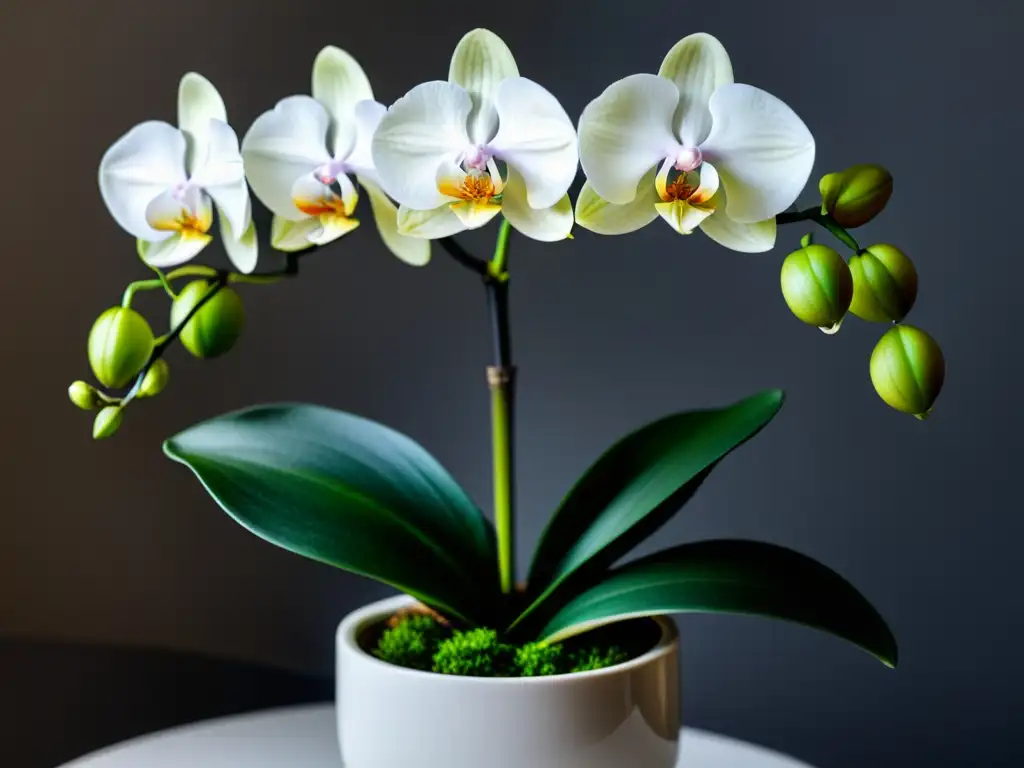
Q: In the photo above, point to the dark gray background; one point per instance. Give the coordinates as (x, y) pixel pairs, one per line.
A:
(112, 542)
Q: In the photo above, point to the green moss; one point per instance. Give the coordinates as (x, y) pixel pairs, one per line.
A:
(418, 641)
(589, 659)
(412, 642)
(475, 653)
(536, 660)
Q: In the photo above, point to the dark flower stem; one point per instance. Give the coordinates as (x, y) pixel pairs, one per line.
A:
(219, 279)
(823, 220)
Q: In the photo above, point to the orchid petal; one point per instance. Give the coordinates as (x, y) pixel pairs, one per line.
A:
(368, 115)
(758, 237)
(331, 228)
(291, 236)
(762, 149)
(536, 136)
(242, 251)
(176, 211)
(145, 162)
(545, 224)
(480, 62)
(198, 104)
(421, 131)
(314, 198)
(413, 251)
(710, 182)
(283, 145)
(475, 213)
(222, 176)
(174, 251)
(339, 83)
(681, 216)
(698, 65)
(430, 224)
(595, 213)
(625, 131)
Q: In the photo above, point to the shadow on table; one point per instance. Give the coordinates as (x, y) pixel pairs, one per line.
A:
(61, 700)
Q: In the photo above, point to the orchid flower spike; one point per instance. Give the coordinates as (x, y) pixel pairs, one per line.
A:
(161, 183)
(694, 147)
(454, 154)
(301, 156)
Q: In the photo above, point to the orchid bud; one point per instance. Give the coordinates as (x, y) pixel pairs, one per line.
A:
(855, 196)
(106, 422)
(215, 328)
(907, 369)
(155, 379)
(85, 396)
(884, 284)
(817, 286)
(120, 344)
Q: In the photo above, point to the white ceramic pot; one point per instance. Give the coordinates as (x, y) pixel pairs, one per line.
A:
(393, 717)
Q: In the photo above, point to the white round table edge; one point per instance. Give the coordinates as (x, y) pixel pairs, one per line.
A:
(306, 735)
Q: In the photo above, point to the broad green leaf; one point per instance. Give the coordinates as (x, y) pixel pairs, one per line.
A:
(352, 493)
(739, 577)
(637, 486)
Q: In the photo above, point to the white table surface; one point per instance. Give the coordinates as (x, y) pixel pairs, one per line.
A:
(305, 737)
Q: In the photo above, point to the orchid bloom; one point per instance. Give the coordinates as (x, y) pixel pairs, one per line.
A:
(694, 147)
(300, 158)
(454, 154)
(161, 183)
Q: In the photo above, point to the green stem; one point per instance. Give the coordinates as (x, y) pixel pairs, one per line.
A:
(501, 386)
(822, 220)
(219, 280)
(499, 262)
(193, 270)
(138, 285)
(167, 340)
(501, 382)
(164, 281)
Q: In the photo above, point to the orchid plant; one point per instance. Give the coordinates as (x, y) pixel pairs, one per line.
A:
(688, 145)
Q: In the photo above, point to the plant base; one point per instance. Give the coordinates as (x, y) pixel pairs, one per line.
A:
(389, 715)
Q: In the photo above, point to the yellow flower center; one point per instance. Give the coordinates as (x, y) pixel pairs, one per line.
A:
(678, 190)
(330, 206)
(189, 224)
(472, 188)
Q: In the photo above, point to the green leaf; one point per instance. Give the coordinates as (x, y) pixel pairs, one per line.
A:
(637, 486)
(740, 577)
(352, 493)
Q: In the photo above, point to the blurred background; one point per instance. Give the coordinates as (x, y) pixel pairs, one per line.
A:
(110, 543)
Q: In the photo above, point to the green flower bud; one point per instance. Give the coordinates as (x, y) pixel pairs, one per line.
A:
(215, 328)
(120, 344)
(884, 284)
(855, 196)
(107, 422)
(155, 379)
(817, 286)
(85, 396)
(907, 369)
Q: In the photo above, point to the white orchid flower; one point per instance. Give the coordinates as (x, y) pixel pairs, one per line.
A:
(162, 183)
(300, 158)
(457, 153)
(694, 147)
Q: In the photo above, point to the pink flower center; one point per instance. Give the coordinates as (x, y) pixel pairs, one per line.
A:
(689, 159)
